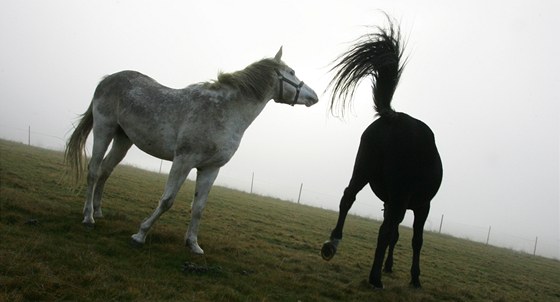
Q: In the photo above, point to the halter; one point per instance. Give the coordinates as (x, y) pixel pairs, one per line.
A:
(283, 79)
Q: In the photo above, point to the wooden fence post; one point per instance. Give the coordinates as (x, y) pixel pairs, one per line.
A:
(535, 249)
(299, 196)
(252, 181)
(440, 223)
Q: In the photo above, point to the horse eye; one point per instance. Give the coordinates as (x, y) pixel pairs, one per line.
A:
(293, 72)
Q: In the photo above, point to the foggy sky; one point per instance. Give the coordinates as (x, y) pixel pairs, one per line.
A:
(482, 74)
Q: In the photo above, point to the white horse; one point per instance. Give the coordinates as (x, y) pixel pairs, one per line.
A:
(199, 127)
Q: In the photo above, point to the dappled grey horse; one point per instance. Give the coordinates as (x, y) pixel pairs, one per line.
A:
(199, 127)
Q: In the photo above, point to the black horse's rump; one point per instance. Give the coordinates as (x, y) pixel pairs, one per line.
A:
(397, 155)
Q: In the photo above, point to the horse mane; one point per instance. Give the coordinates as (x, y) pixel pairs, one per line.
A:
(255, 80)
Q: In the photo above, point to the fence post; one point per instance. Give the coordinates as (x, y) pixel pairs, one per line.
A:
(440, 223)
(299, 196)
(535, 249)
(488, 237)
(29, 136)
(252, 180)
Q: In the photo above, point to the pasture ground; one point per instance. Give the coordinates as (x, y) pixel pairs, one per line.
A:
(257, 248)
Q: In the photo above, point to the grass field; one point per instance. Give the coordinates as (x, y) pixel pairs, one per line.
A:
(257, 248)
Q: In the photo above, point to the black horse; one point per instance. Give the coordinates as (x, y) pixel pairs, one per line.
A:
(397, 156)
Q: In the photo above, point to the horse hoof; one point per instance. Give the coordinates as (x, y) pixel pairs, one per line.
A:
(328, 250)
(376, 285)
(136, 241)
(136, 244)
(415, 284)
(194, 247)
(88, 225)
(197, 250)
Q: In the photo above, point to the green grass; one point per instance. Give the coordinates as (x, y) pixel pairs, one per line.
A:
(257, 248)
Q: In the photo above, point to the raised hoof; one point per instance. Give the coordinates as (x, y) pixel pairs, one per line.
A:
(328, 250)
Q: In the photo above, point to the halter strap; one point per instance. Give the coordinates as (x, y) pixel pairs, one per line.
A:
(282, 79)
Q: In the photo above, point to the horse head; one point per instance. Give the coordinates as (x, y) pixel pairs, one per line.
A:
(291, 90)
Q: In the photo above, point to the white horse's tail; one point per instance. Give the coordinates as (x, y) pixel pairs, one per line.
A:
(75, 153)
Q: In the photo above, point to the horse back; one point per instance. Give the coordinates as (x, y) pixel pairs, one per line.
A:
(119, 83)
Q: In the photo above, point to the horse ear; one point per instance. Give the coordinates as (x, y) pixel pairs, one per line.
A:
(278, 55)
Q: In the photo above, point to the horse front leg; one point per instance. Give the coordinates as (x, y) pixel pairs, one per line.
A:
(179, 170)
(204, 180)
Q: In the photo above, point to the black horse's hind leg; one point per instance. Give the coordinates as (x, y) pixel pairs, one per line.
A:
(388, 267)
(345, 204)
(420, 216)
(357, 183)
(360, 178)
(392, 218)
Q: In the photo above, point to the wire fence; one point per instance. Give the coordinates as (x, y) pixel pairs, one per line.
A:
(494, 236)
(302, 194)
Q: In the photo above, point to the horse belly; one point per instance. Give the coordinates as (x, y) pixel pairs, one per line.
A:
(209, 152)
(156, 149)
(218, 159)
(151, 139)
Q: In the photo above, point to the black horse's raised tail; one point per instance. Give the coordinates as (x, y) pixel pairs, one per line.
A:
(378, 55)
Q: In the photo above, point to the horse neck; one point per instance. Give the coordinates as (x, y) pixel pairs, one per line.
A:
(244, 110)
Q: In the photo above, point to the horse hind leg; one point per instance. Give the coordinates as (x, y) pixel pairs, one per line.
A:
(102, 137)
(204, 180)
(388, 267)
(121, 145)
(328, 250)
(360, 177)
(420, 216)
(179, 171)
(393, 216)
